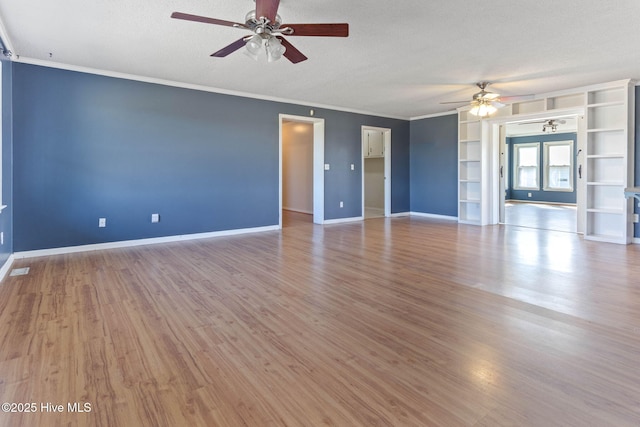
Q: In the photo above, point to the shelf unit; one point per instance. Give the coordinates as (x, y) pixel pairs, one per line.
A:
(607, 160)
(609, 163)
(469, 169)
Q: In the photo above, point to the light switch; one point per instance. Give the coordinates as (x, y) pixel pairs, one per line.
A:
(327, 166)
(102, 222)
(155, 218)
(353, 167)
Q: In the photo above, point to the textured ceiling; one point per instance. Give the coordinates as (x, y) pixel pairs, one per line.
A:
(401, 58)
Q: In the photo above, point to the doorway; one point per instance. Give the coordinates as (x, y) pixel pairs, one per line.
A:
(376, 172)
(301, 167)
(540, 173)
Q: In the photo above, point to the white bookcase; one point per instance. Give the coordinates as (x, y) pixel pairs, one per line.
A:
(607, 169)
(470, 188)
(609, 166)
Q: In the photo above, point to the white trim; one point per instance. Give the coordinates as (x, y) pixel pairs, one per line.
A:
(318, 164)
(88, 70)
(636, 240)
(141, 242)
(538, 202)
(434, 216)
(430, 116)
(6, 267)
(386, 134)
(400, 214)
(285, 208)
(343, 220)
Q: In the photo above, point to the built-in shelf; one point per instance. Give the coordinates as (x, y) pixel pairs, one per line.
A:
(606, 163)
(605, 156)
(609, 162)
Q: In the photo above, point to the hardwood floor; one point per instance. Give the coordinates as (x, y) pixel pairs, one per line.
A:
(398, 322)
(545, 216)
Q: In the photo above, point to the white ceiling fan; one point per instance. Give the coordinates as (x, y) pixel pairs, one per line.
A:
(485, 103)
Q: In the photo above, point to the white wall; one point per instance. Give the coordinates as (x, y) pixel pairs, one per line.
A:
(297, 166)
(374, 183)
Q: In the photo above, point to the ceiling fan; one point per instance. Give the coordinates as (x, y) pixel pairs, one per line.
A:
(485, 103)
(550, 125)
(267, 28)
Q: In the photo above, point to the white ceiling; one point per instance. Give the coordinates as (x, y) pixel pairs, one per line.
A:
(401, 58)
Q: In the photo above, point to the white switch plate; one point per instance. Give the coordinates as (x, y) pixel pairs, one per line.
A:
(102, 222)
(341, 204)
(353, 167)
(327, 166)
(635, 218)
(155, 218)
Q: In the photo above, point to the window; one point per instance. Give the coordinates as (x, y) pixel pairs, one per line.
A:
(558, 166)
(526, 165)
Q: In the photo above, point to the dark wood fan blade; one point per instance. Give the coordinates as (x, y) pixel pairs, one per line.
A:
(291, 53)
(196, 18)
(229, 49)
(321, 30)
(267, 8)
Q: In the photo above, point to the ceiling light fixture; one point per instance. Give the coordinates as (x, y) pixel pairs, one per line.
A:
(482, 108)
(264, 38)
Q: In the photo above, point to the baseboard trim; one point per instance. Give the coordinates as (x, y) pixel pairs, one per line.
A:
(400, 214)
(343, 220)
(140, 242)
(6, 267)
(636, 240)
(434, 216)
(297, 210)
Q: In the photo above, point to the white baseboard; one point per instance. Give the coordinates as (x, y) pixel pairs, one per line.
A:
(297, 210)
(400, 214)
(342, 220)
(434, 216)
(636, 240)
(140, 242)
(6, 267)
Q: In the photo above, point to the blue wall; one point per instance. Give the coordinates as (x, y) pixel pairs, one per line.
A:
(88, 146)
(541, 195)
(6, 216)
(434, 165)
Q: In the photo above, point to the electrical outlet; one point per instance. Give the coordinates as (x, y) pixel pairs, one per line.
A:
(102, 222)
(528, 194)
(341, 204)
(635, 218)
(155, 218)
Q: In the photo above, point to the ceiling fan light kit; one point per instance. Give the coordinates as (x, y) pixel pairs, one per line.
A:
(268, 30)
(483, 109)
(485, 103)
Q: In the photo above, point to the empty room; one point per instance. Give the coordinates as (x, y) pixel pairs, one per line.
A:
(278, 213)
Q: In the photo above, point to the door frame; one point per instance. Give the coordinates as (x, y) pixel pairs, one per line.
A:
(318, 165)
(387, 166)
(496, 138)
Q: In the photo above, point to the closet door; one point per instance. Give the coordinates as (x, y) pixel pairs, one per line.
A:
(375, 144)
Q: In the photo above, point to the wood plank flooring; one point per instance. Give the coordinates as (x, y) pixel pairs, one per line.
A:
(545, 216)
(384, 322)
